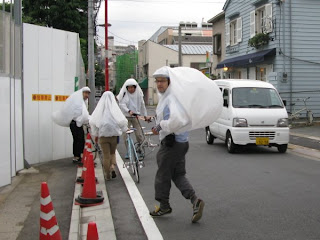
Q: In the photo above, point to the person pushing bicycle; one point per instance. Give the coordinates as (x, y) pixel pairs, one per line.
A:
(132, 105)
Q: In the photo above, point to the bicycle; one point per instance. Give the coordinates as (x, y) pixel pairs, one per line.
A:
(95, 148)
(296, 113)
(146, 143)
(134, 163)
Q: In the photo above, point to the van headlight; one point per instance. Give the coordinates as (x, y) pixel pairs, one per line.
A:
(240, 122)
(283, 122)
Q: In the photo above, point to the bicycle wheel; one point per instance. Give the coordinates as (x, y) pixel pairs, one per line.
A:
(132, 161)
(140, 150)
(310, 117)
(137, 175)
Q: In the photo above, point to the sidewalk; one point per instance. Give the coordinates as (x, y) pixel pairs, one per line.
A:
(20, 201)
(308, 131)
(306, 141)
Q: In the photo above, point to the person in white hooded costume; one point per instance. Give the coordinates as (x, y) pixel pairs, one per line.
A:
(131, 103)
(187, 100)
(74, 114)
(108, 123)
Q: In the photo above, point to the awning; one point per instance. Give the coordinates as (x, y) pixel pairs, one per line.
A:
(144, 83)
(248, 59)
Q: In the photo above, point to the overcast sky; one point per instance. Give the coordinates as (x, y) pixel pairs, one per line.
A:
(134, 20)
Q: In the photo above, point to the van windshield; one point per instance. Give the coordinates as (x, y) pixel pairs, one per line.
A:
(249, 97)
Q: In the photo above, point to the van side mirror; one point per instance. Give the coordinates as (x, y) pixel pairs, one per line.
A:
(285, 102)
(225, 103)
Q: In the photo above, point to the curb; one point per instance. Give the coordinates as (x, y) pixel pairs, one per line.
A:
(305, 152)
(305, 136)
(101, 214)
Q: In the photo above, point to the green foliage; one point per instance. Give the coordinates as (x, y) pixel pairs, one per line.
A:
(6, 7)
(125, 66)
(259, 40)
(100, 76)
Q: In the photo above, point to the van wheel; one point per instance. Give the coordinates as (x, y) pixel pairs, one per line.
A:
(231, 146)
(282, 148)
(209, 136)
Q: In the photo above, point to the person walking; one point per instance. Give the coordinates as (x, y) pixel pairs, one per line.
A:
(132, 105)
(74, 114)
(180, 110)
(108, 123)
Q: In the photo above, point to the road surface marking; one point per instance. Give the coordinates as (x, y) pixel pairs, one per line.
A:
(148, 224)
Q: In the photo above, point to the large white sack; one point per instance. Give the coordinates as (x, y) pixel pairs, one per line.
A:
(194, 100)
(74, 108)
(107, 120)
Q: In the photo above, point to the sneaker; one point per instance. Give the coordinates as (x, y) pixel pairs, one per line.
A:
(197, 210)
(76, 160)
(160, 212)
(113, 174)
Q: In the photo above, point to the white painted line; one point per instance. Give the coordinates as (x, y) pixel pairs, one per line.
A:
(148, 224)
(74, 232)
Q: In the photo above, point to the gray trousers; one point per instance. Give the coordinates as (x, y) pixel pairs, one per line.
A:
(172, 167)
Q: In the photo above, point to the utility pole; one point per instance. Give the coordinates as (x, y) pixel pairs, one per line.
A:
(106, 47)
(180, 47)
(91, 69)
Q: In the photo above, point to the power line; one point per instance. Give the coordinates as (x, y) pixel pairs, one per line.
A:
(128, 21)
(147, 1)
(122, 38)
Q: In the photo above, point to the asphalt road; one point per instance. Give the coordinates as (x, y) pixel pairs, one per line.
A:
(255, 194)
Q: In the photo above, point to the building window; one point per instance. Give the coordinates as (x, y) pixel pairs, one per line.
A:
(261, 20)
(217, 44)
(234, 32)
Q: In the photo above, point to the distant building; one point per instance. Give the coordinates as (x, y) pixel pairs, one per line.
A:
(218, 44)
(277, 42)
(191, 34)
(153, 56)
(113, 52)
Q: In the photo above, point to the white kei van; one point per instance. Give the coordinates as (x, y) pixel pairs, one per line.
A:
(253, 113)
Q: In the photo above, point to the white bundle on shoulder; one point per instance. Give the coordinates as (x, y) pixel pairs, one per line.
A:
(73, 109)
(194, 100)
(107, 120)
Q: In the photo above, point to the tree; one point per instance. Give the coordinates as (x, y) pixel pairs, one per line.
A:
(100, 76)
(6, 7)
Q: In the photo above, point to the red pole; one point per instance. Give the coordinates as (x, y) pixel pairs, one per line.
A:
(106, 47)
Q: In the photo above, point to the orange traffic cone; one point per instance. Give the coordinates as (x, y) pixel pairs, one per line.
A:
(49, 228)
(92, 233)
(89, 195)
(87, 151)
(88, 145)
(80, 180)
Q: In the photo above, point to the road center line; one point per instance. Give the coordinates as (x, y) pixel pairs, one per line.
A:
(148, 224)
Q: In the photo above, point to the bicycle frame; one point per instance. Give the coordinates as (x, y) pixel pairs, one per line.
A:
(296, 113)
(130, 148)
